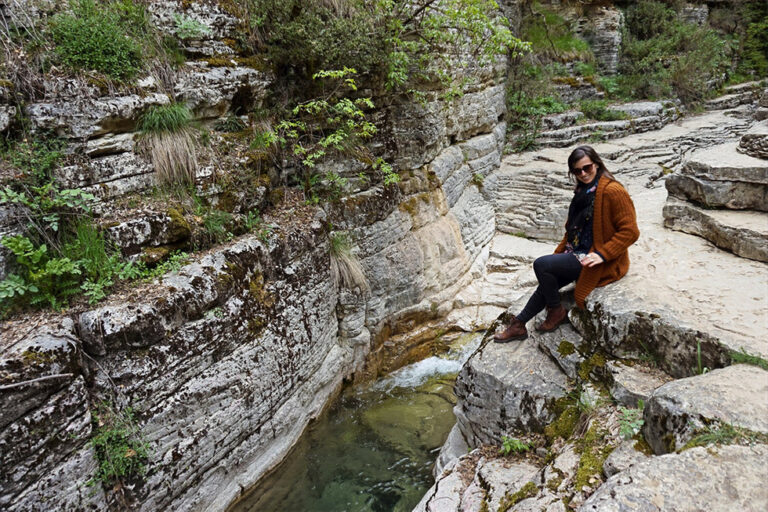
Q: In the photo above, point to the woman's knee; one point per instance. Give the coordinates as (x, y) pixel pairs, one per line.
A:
(542, 265)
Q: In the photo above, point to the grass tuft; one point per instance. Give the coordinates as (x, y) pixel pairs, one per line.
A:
(346, 270)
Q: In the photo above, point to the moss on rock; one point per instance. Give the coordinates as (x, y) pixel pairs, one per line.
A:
(529, 490)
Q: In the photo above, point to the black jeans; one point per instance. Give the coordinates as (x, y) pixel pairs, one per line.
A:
(553, 272)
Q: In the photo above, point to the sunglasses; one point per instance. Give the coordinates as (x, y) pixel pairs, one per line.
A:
(579, 170)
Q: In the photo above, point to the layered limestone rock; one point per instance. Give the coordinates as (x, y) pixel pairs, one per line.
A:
(722, 177)
(734, 396)
(642, 117)
(506, 387)
(743, 233)
(721, 478)
(755, 141)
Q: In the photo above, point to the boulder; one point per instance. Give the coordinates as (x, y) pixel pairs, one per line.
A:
(506, 387)
(718, 479)
(626, 455)
(742, 232)
(755, 141)
(718, 193)
(735, 396)
(631, 383)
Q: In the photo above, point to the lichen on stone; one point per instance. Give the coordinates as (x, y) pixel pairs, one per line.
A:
(566, 348)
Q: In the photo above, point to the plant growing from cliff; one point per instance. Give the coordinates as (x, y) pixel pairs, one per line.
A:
(93, 37)
(43, 278)
(631, 420)
(121, 451)
(331, 125)
(346, 270)
(743, 357)
(167, 137)
(189, 28)
(513, 445)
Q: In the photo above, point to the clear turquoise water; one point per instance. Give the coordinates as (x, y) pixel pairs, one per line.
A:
(373, 450)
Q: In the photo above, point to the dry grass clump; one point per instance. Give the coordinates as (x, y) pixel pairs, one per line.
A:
(167, 138)
(346, 270)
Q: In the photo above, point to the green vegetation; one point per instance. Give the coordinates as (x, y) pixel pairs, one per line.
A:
(93, 37)
(513, 445)
(724, 434)
(631, 420)
(593, 455)
(663, 56)
(743, 357)
(36, 157)
(700, 368)
(171, 118)
(598, 110)
(551, 35)
(189, 28)
(529, 490)
(120, 449)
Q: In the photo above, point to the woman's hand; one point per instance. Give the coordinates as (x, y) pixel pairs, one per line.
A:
(591, 260)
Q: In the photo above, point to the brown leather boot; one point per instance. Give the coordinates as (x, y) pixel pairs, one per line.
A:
(514, 331)
(555, 317)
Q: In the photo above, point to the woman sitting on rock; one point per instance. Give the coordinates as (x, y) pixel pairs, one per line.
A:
(600, 228)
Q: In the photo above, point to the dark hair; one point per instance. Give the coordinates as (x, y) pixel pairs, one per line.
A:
(582, 151)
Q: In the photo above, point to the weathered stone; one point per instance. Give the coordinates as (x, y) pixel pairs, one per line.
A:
(755, 141)
(602, 28)
(149, 230)
(80, 116)
(725, 163)
(735, 195)
(734, 396)
(109, 176)
(742, 232)
(454, 447)
(694, 13)
(448, 491)
(632, 383)
(506, 387)
(718, 479)
(211, 92)
(6, 116)
(557, 121)
(736, 95)
(626, 455)
(563, 345)
(110, 144)
(503, 478)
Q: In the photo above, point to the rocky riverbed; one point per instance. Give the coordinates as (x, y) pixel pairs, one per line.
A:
(615, 407)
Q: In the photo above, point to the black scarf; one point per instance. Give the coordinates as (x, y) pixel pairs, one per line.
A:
(579, 225)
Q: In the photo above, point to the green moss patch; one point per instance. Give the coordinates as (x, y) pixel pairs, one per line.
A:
(593, 455)
(529, 490)
(597, 360)
(566, 348)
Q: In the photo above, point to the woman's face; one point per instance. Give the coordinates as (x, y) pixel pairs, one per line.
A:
(585, 170)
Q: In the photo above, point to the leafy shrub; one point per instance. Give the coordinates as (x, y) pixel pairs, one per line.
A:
(513, 445)
(662, 55)
(43, 280)
(92, 37)
(630, 420)
(35, 157)
(598, 110)
(525, 113)
(551, 36)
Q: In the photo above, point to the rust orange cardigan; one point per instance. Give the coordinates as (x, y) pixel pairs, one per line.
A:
(614, 229)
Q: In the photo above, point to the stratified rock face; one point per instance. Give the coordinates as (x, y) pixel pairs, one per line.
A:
(744, 233)
(602, 29)
(694, 13)
(45, 424)
(718, 479)
(735, 395)
(755, 141)
(504, 387)
(720, 176)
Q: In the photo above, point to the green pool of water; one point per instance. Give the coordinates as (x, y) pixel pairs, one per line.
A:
(374, 448)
